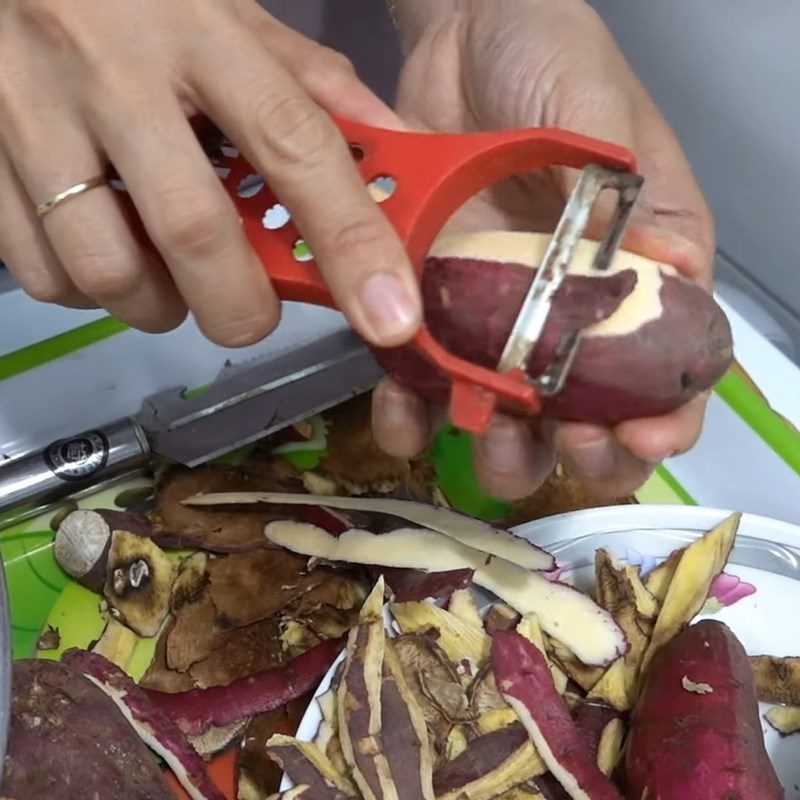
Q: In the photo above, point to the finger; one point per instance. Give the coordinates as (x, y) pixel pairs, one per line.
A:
(509, 461)
(327, 75)
(188, 216)
(595, 459)
(671, 190)
(659, 243)
(670, 221)
(295, 144)
(400, 424)
(658, 438)
(25, 250)
(89, 232)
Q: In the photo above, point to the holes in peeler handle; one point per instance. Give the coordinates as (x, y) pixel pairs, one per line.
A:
(382, 188)
(275, 217)
(301, 251)
(357, 151)
(249, 186)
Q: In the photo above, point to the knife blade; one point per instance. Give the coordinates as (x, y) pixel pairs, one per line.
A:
(244, 403)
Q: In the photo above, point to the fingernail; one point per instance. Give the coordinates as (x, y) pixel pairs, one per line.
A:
(592, 459)
(503, 446)
(391, 309)
(397, 406)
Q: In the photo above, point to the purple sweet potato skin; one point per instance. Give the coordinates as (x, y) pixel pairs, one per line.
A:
(481, 756)
(471, 306)
(700, 746)
(68, 740)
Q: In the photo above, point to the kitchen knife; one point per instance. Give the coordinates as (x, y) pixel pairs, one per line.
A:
(244, 403)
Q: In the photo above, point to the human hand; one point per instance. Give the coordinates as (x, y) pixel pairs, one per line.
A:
(549, 63)
(86, 84)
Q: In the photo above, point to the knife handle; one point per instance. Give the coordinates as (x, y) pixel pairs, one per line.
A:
(70, 467)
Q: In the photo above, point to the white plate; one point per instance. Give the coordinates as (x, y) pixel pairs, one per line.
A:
(767, 555)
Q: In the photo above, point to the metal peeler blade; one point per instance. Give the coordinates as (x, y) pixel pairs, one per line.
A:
(538, 302)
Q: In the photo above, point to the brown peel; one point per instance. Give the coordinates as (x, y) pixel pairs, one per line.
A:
(404, 733)
(619, 685)
(777, 679)
(460, 641)
(305, 763)
(490, 766)
(359, 703)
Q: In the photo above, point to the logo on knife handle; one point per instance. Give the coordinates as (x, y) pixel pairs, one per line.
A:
(77, 458)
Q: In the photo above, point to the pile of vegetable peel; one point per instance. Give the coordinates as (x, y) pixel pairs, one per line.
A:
(252, 579)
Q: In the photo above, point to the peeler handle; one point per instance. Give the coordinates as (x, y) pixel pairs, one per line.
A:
(420, 180)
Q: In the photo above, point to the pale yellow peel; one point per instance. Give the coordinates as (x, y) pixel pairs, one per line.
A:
(784, 719)
(462, 605)
(701, 562)
(529, 627)
(365, 653)
(657, 581)
(394, 669)
(459, 640)
(646, 604)
(494, 719)
(609, 749)
(117, 643)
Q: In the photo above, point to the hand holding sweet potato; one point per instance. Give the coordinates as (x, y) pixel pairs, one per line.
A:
(554, 63)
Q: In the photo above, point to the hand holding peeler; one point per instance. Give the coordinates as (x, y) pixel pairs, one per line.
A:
(420, 180)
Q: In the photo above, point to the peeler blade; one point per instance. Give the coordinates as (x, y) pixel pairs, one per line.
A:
(251, 400)
(537, 304)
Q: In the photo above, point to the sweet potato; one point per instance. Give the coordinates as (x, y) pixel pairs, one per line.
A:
(158, 730)
(653, 339)
(701, 744)
(67, 739)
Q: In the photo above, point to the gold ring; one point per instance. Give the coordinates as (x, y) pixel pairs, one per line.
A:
(79, 188)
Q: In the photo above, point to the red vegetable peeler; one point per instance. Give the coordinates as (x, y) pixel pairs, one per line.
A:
(420, 180)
